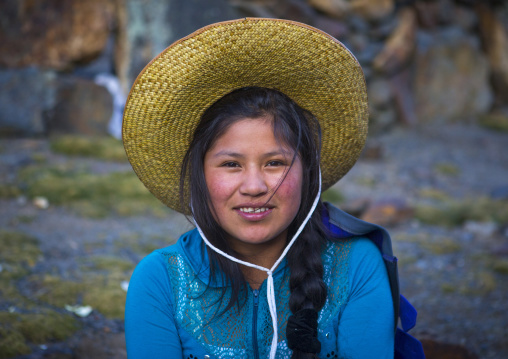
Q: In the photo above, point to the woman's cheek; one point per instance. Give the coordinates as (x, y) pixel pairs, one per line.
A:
(291, 187)
(219, 185)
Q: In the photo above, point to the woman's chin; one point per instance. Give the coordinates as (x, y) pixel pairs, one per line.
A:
(257, 241)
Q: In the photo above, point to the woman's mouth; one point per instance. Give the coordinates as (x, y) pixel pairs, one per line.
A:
(253, 213)
(253, 210)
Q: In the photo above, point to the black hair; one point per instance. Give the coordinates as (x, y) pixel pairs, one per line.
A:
(294, 127)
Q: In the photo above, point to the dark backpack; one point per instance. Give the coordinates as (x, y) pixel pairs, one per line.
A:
(343, 225)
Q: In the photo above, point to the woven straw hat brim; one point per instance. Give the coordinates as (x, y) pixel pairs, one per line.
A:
(172, 92)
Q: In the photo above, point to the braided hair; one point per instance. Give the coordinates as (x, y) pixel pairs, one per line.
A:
(299, 130)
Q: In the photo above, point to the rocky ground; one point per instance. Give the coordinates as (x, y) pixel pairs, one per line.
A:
(455, 274)
(441, 190)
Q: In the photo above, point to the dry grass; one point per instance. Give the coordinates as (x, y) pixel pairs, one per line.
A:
(103, 148)
(19, 329)
(88, 194)
(455, 213)
(447, 169)
(19, 252)
(496, 122)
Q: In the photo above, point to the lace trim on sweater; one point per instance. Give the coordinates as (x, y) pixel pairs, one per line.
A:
(230, 335)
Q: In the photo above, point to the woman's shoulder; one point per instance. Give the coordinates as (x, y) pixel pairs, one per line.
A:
(353, 253)
(363, 247)
(361, 262)
(352, 261)
(154, 262)
(352, 267)
(181, 261)
(357, 246)
(341, 258)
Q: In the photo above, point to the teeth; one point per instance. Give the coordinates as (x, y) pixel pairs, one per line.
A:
(253, 210)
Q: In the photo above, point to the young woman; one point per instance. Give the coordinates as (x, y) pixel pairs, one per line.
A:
(225, 125)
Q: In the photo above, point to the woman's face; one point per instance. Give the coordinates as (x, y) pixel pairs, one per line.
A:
(242, 169)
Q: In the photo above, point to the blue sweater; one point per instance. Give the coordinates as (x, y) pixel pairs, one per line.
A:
(171, 307)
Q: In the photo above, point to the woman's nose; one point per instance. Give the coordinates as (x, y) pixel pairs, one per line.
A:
(254, 183)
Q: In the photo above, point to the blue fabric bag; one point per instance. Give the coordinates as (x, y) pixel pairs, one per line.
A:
(342, 225)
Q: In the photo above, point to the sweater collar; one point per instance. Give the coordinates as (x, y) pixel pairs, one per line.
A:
(194, 249)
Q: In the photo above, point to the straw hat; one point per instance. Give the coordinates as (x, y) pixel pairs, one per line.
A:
(172, 92)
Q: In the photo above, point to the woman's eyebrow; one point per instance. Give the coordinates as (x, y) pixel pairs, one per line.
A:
(240, 155)
(228, 154)
(278, 153)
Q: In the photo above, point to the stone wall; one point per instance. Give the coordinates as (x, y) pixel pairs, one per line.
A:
(43, 42)
(53, 51)
(438, 69)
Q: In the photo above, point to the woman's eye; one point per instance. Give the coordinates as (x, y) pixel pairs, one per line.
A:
(230, 164)
(275, 163)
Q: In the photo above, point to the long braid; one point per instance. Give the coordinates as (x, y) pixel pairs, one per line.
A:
(308, 290)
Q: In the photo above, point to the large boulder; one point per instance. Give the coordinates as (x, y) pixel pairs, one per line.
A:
(451, 81)
(82, 107)
(26, 97)
(53, 33)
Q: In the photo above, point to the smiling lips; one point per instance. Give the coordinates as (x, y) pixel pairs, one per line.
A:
(254, 210)
(253, 213)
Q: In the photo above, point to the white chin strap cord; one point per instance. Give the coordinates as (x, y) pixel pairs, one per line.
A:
(270, 290)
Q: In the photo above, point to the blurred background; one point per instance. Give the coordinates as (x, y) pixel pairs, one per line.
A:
(75, 220)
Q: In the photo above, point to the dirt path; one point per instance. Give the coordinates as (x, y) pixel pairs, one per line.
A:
(456, 275)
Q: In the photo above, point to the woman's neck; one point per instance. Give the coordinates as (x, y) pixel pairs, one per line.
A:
(262, 254)
(253, 276)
